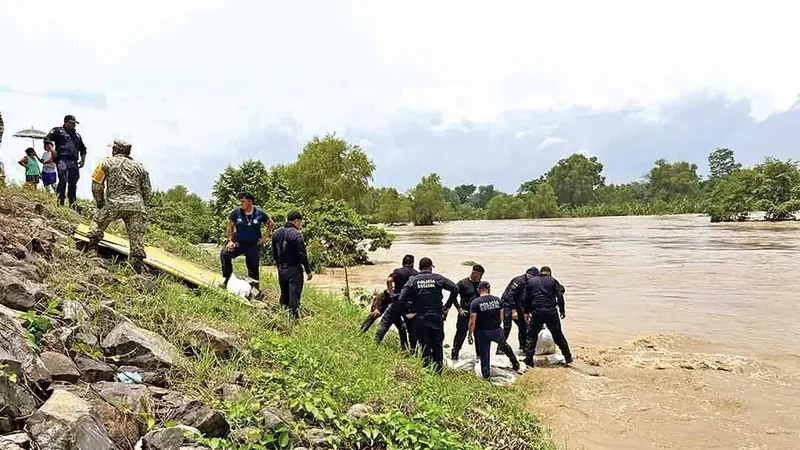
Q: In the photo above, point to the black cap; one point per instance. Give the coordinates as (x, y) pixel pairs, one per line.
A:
(48, 141)
(247, 196)
(532, 271)
(294, 215)
(426, 263)
(70, 118)
(484, 285)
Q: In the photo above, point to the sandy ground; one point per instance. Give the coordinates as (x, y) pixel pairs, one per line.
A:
(669, 392)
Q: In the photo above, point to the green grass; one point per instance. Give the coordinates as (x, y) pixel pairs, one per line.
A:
(317, 367)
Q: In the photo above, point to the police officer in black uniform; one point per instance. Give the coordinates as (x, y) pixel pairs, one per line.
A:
(289, 252)
(541, 302)
(485, 313)
(467, 292)
(422, 295)
(395, 313)
(70, 158)
(512, 306)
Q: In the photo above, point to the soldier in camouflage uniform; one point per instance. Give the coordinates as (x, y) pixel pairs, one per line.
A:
(121, 189)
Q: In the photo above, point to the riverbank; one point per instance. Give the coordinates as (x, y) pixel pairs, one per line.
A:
(319, 381)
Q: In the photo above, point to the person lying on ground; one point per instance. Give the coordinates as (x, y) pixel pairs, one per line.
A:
(485, 317)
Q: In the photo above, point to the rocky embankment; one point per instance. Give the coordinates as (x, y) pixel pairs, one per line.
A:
(75, 374)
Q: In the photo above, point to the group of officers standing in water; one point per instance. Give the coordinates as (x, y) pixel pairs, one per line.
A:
(413, 304)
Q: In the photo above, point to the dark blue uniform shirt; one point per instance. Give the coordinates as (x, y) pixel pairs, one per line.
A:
(400, 277)
(289, 248)
(487, 308)
(248, 227)
(422, 295)
(68, 144)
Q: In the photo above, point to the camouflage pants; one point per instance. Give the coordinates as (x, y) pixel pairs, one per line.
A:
(135, 223)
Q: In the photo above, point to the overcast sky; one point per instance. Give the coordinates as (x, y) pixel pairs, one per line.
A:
(481, 92)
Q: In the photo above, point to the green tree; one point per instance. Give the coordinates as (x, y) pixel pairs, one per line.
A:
(179, 212)
(733, 197)
(575, 179)
(504, 206)
(778, 190)
(672, 180)
(617, 194)
(529, 187)
(721, 164)
(484, 194)
(270, 188)
(331, 167)
(428, 200)
(394, 207)
(338, 236)
(542, 203)
(464, 192)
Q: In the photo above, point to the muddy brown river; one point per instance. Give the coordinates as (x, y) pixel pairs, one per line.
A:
(695, 326)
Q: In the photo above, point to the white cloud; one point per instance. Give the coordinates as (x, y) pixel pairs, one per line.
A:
(550, 141)
(203, 75)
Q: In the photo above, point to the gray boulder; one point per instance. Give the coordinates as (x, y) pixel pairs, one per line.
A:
(15, 345)
(358, 411)
(20, 439)
(276, 417)
(9, 446)
(319, 438)
(61, 368)
(231, 392)
(140, 347)
(93, 370)
(164, 439)
(120, 406)
(193, 413)
(15, 403)
(74, 311)
(15, 293)
(220, 343)
(66, 422)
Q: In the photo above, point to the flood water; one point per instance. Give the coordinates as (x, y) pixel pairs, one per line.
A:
(735, 285)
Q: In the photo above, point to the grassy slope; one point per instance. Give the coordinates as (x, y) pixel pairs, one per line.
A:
(318, 368)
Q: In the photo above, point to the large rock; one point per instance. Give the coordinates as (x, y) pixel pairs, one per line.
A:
(194, 413)
(14, 343)
(20, 439)
(164, 439)
(15, 403)
(15, 293)
(93, 370)
(140, 347)
(319, 438)
(274, 418)
(66, 422)
(42, 242)
(61, 368)
(358, 411)
(121, 406)
(74, 311)
(220, 343)
(10, 363)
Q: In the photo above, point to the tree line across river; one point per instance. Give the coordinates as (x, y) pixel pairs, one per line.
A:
(330, 183)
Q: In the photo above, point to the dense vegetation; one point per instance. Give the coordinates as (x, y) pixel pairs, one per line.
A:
(330, 183)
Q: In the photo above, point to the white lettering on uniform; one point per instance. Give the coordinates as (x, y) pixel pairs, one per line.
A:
(494, 304)
(426, 284)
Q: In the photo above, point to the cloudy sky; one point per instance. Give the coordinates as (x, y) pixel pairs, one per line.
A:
(481, 92)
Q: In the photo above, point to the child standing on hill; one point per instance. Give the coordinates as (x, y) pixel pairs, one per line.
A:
(31, 164)
(49, 170)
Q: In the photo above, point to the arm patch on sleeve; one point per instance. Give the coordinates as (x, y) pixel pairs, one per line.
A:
(98, 176)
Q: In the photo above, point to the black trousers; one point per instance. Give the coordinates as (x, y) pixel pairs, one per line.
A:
(553, 322)
(522, 326)
(483, 345)
(290, 279)
(395, 315)
(431, 338)
(462, 328)
(251, 252)
(68, 176)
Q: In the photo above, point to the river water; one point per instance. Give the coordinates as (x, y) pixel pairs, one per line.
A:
(736, 285)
